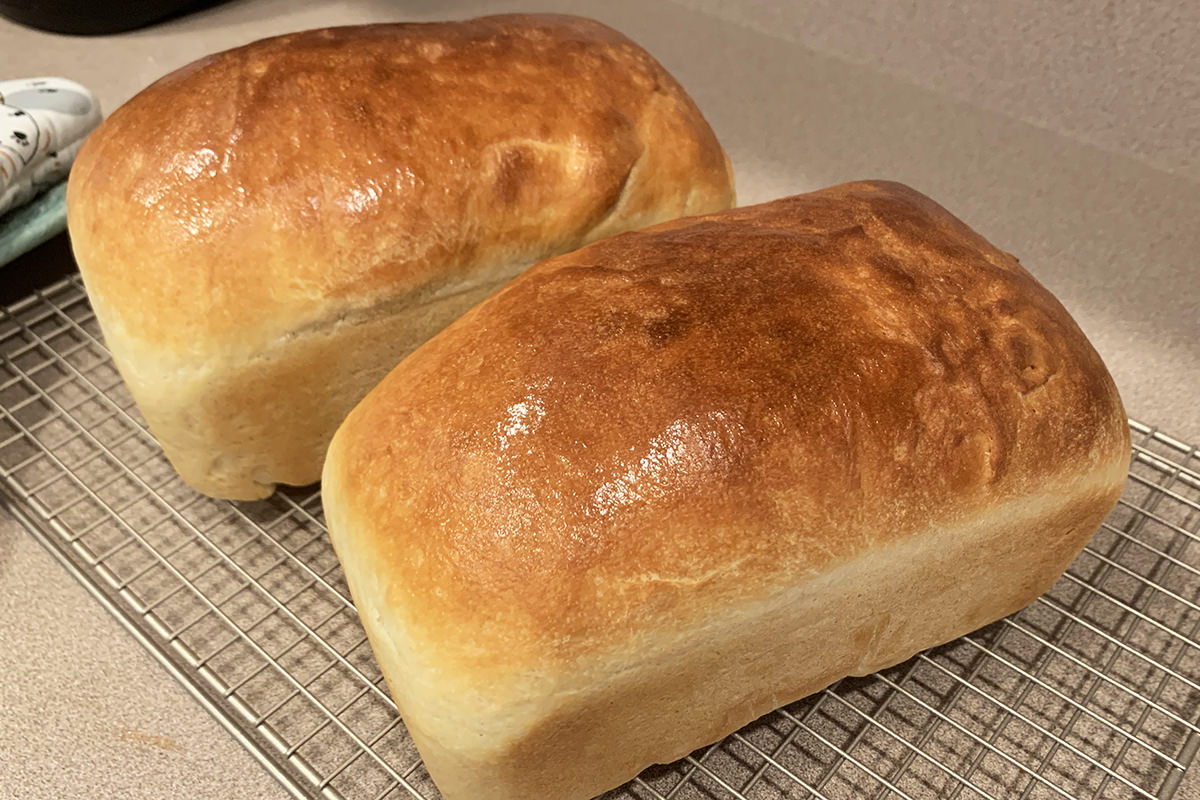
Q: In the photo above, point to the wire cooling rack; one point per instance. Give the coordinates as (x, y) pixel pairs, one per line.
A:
(1093, 691)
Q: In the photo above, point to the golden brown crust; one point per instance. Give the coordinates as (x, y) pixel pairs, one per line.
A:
(267, 191)
(597, 478)
(860, 337)
(653, 700)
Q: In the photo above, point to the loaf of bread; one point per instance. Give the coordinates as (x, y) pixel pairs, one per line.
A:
(657, 487)
(268, 231)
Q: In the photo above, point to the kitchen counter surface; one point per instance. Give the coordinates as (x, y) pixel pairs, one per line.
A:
(88, 713)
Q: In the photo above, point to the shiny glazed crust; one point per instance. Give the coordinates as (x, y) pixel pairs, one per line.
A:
(657, 487)
(267, 231)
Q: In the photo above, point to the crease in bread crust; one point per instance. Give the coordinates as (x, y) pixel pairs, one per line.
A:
(154, 368)
(359, 314)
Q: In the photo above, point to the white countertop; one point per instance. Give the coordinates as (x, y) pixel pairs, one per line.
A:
(87, 713)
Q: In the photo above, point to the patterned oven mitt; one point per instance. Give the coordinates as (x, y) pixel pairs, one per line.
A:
(43, 121)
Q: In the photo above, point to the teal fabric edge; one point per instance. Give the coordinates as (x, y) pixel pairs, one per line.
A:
(27, 226)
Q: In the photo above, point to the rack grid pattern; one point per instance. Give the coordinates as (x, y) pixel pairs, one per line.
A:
(1093, 691)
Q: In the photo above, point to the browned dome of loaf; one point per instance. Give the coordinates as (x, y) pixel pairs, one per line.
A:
(860, 337)
(253, 204)
(701, 470)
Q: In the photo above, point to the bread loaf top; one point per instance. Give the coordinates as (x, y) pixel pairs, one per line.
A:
(298, 181)
(672, 424)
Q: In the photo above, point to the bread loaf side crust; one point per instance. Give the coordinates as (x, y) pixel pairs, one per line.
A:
(661, 696)
(253, 196)
(236, 426)
(709, 468)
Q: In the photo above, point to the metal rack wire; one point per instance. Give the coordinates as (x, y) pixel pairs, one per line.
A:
(1092, 691)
